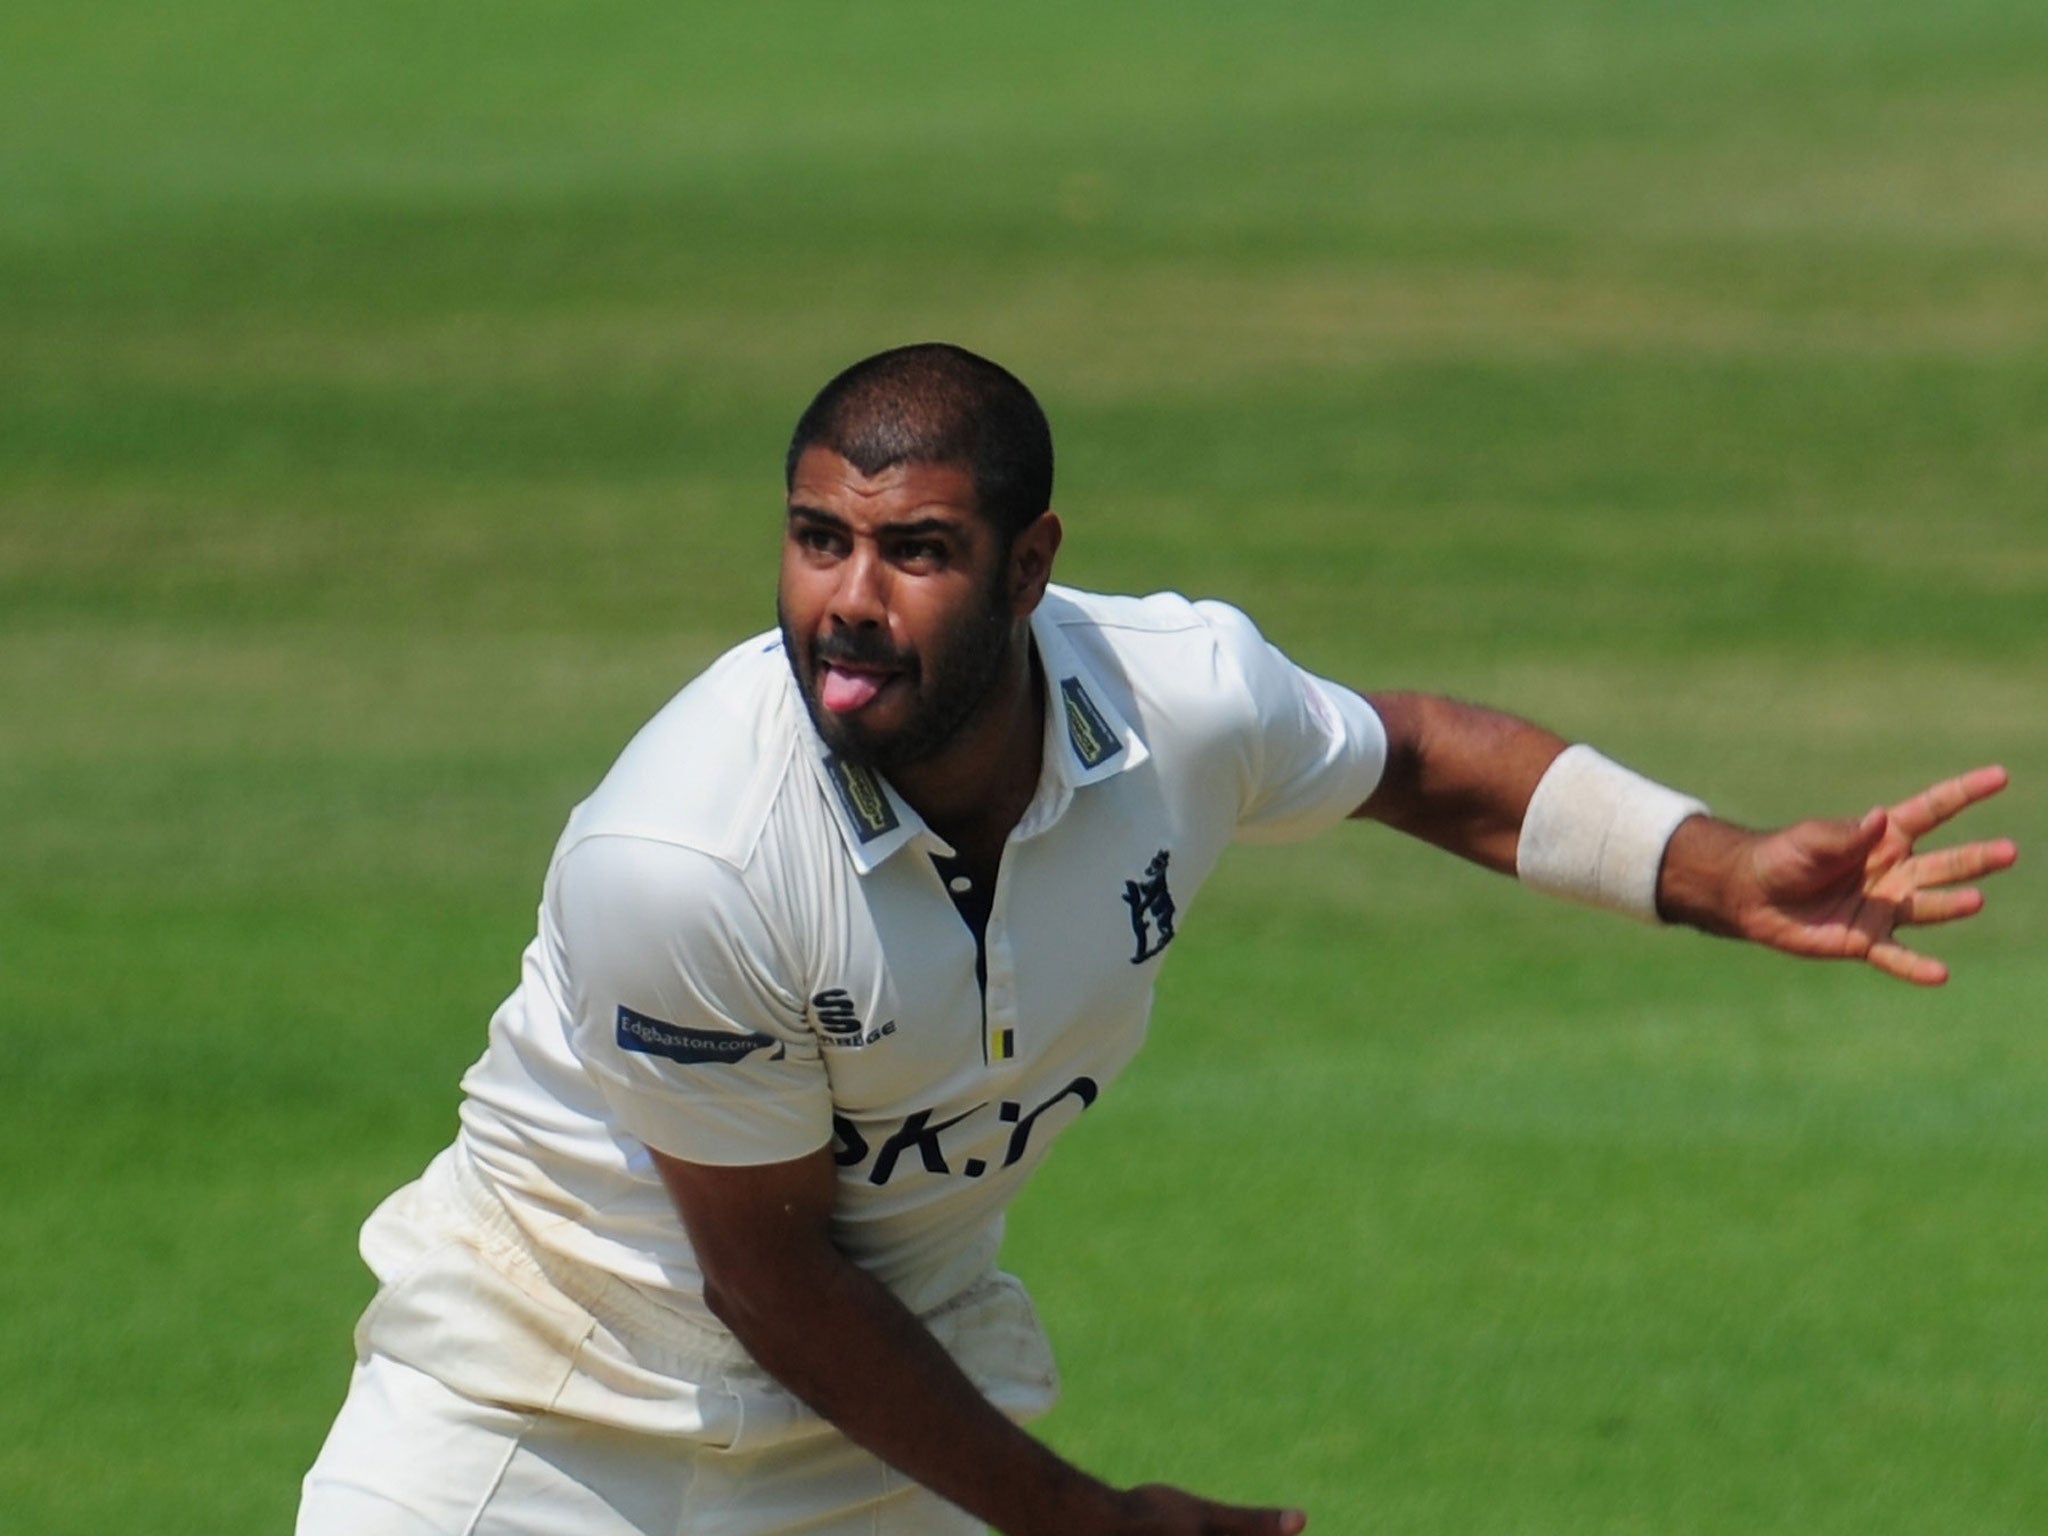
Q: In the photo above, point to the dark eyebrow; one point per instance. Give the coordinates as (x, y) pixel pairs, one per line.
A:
(923, 527)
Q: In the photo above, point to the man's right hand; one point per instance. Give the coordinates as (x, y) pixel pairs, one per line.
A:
(1158, 1510)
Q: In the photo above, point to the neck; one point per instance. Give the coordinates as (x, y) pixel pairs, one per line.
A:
(974, 790)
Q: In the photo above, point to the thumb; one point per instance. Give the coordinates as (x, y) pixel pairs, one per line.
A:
(1832, 844)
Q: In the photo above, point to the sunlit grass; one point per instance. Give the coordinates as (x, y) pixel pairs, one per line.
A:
(390, 418)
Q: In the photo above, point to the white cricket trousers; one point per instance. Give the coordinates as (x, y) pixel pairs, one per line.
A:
(411, 1457)
(502, 1391)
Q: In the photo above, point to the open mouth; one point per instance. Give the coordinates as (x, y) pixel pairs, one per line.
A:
(845, 689)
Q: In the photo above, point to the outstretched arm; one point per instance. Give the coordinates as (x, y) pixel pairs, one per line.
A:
(1463, 778)
(1457, 775)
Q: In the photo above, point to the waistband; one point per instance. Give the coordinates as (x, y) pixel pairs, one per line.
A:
(663, 1334)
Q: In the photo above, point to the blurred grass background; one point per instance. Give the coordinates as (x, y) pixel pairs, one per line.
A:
(391, 405)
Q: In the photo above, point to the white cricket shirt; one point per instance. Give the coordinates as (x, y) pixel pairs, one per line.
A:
(748, 948)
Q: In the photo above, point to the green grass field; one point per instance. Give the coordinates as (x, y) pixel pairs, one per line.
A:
(391, 407)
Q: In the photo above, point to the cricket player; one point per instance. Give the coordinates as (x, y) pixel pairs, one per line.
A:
(853, 929)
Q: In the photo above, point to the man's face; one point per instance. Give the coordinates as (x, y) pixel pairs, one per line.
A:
(894, 605)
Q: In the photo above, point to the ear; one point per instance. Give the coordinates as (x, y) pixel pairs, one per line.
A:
(1031, 557)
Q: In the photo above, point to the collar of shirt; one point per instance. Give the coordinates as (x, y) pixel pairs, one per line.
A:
(1087, 740)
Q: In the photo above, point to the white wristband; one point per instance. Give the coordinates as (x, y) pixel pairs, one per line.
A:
(1595, 833)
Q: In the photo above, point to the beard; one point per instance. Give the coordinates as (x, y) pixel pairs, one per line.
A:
(949, 682)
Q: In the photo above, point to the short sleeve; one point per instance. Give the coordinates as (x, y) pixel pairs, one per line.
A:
(1316, 749)
(683, 1013)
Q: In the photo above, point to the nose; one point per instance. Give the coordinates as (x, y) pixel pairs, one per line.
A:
(860, 598)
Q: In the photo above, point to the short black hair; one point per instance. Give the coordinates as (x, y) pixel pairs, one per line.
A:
(935, 403)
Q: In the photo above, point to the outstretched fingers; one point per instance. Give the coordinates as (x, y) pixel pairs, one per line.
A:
(1926, 907)
(1845, 889)
(1895, 959)
(1922, 813)
(1966, 861)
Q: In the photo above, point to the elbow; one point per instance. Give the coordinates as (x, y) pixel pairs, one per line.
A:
(1395, 798)
(739, 1300)
(757, 1293)
(722, 1302)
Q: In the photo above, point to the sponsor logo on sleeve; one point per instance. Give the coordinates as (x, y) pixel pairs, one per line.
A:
(692, 1047)
(867, 803)
(1094, 742)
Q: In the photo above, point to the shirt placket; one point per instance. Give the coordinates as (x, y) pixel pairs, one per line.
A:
(1002, 1036)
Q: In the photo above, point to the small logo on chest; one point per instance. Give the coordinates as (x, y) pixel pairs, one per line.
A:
(839, 1027)
(1151, 905)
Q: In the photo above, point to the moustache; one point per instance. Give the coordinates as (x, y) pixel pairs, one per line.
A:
(849, 650)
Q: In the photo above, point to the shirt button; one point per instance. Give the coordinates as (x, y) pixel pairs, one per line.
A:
(959, 885)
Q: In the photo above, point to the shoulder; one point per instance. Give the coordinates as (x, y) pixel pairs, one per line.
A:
(708, 839)
(1164, 623)
(705, 772)
(640, 912)
(1199, 679)
(1131, 619)
(1195, 656)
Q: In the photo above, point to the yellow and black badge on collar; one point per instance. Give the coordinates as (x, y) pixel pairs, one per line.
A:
(1094, 742)
(867, 803)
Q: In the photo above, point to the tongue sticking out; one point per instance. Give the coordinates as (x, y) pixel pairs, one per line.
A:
(847, 691)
